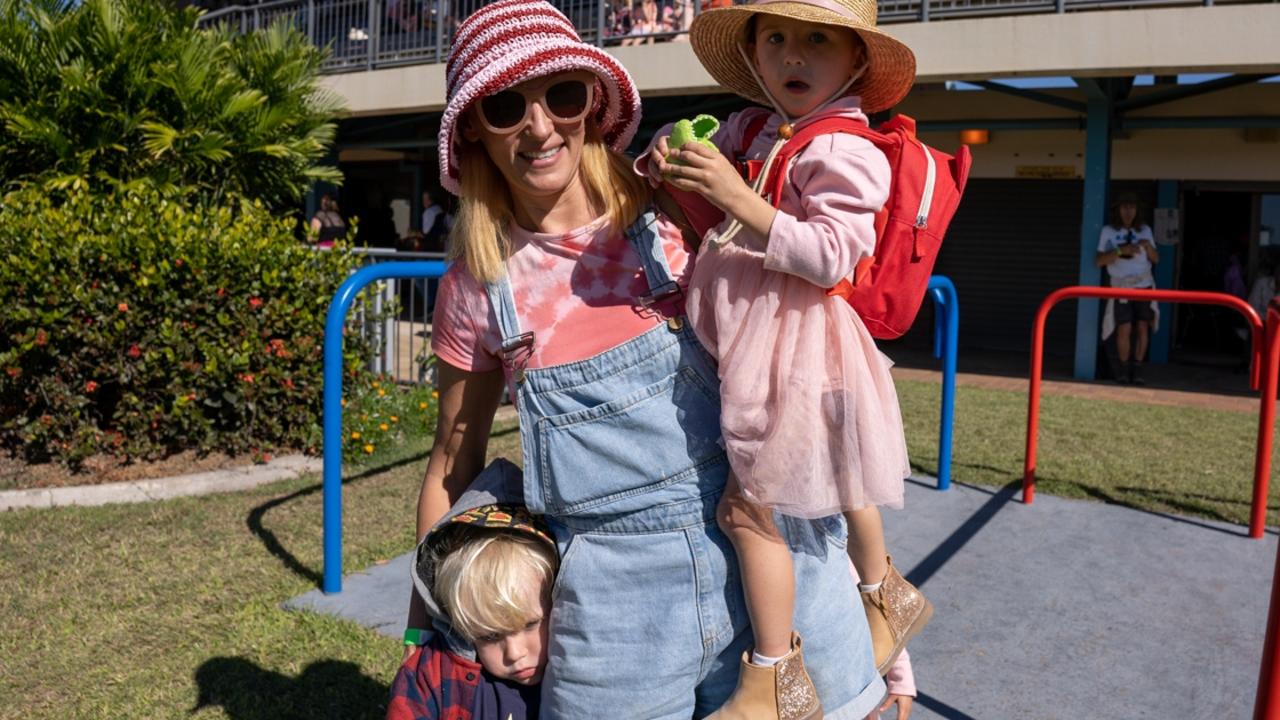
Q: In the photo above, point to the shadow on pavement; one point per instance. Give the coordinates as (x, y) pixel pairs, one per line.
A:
(324, 689)
(948, 548)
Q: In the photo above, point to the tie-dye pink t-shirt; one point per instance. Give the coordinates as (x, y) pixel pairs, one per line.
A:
(576, 292)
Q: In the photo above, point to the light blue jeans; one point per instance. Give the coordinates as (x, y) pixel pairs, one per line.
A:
(622, 453)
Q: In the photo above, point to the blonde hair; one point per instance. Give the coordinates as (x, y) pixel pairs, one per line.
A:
(487, 582)
(481, 234)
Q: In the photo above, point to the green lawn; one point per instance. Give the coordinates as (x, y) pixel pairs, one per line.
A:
(153, 611)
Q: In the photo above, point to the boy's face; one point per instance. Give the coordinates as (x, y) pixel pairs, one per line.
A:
(520, 656)
(802, 63)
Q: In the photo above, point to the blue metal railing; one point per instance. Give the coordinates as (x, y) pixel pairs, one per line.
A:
(946, 331)
(946, 336)
(335, 323)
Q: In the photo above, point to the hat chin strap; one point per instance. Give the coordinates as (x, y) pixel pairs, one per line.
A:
(784, 134)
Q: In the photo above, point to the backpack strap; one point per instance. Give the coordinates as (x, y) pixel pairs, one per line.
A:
(750, 169)
(804, 135)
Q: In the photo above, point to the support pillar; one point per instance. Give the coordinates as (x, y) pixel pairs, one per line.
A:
(1097, 175)
(1158, 352)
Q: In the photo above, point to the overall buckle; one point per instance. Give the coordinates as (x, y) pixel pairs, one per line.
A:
(516, 352)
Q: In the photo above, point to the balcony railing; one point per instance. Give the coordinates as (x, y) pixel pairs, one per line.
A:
(368, 34)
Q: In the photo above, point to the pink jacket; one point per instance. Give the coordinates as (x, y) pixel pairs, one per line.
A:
(826, 222)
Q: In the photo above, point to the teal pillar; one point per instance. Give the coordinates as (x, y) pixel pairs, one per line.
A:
(1162, 340)
(1097, 176)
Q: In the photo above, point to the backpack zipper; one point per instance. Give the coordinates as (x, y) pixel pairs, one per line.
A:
(926, 198)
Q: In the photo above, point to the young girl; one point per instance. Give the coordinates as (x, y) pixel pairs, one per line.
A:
(809, 412)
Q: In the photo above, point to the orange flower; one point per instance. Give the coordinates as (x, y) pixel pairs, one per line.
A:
(381, 392)
(368, 449)
(247, 377)
(422, 406)
(123, 307)
(355, 435)
(384, 427)
(395, 419)
(42, 337)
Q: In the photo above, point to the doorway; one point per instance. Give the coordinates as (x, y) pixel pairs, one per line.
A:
(1218, 232)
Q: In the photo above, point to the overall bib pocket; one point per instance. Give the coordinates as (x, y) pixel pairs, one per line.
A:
(631, 435)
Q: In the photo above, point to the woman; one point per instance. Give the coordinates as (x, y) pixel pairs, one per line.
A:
(1127, 250)
(569, 289)
(327, 225)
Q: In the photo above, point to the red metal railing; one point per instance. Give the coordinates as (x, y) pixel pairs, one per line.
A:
(1267, 410)
(1267, 706)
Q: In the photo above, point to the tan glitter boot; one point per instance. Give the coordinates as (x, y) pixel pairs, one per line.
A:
(783, 691)
(896, 611)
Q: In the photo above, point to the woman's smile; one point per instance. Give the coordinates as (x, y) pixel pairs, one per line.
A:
(539, 159)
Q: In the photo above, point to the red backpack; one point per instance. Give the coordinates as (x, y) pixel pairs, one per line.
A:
(888, 287)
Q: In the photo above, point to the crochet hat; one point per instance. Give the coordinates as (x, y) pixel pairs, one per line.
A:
(718, 35)
(509, 42)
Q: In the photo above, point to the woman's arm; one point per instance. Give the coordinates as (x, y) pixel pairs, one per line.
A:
(468, 401)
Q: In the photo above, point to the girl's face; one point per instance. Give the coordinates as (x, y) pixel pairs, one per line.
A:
(539, 154)
(1128, 212)
(802, 63)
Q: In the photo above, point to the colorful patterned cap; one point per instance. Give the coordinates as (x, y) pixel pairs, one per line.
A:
(505, 517)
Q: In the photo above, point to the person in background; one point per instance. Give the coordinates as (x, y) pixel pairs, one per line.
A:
(646, 21)
(327, 225)
(1127, 250)
(435, 225)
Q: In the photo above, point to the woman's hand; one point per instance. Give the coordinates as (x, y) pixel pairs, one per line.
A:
(904, 703)
(657, 156)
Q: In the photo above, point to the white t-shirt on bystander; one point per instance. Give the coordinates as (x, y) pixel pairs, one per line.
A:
(1131, 271)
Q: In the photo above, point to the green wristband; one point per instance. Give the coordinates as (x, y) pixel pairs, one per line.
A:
(414, 636)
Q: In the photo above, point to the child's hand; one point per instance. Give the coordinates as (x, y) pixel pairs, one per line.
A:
(656, 157)
(903, 702)
(706, 172)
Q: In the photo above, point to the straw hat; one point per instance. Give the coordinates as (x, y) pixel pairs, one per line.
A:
(891, 66)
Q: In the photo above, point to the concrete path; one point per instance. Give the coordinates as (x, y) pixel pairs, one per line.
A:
(136, 491)
(1064, 609)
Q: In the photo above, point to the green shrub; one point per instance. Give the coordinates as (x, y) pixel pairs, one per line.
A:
(143, 323)
(377, 414)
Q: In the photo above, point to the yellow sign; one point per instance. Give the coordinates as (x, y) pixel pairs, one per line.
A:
(1045, 172)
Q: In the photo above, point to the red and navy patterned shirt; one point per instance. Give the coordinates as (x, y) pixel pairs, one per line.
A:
(435, 684)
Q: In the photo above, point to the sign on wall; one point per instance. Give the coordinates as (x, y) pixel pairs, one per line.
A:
(1166, 226)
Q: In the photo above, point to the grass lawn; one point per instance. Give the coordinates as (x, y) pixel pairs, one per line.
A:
(171, 609)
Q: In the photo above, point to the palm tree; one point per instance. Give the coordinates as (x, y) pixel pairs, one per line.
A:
(111, 92)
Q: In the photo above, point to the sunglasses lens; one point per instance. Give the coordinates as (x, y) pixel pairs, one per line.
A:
(567, 100)
(503, 110)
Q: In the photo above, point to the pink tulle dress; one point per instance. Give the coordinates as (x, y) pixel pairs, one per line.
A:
(809, 411)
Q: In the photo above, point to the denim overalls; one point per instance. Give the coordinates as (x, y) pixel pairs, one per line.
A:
(622, 453)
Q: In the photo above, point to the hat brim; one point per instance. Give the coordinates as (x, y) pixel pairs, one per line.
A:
(716, 35)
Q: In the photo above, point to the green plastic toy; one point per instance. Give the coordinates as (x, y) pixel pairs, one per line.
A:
(700, 129)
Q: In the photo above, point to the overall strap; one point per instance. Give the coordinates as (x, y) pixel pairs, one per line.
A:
(516, 346)
(645, 240)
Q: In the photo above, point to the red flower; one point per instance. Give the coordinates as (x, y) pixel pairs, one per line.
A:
(178, 262)
(255, 302)
(247, 377)
(222, 291)
(123, 307)
(42, 338)
(288, 382)
(13, 372)
(134, 351)
(91, 386)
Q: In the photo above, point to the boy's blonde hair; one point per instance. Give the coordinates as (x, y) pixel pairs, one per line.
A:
(481, 234)
(486, 583)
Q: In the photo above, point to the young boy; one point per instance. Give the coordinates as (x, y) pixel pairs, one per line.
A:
(485, 572)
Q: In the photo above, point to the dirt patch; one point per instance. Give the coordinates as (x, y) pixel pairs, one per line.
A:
(18, 475)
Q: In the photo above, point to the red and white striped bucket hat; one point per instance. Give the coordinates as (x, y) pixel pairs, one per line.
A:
(512, 41)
